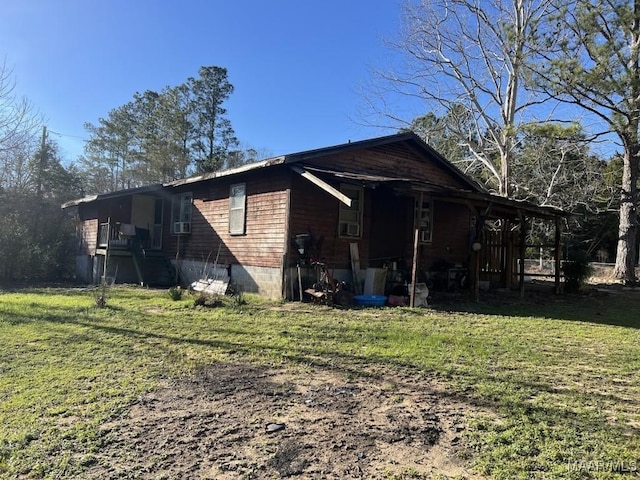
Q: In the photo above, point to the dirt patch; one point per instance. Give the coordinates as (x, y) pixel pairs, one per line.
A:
(250, 422)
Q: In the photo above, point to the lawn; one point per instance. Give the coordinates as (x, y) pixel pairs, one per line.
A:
(556, 379)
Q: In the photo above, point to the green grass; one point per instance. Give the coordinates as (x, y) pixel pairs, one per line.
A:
(559, 381)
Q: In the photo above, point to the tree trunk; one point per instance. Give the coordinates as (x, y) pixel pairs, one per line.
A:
(505, 168)
(627, 230)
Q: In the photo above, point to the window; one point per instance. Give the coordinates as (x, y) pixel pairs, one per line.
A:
(156, 230)
(424, 216)
(237, 209)
(350, 218)
(181, 213)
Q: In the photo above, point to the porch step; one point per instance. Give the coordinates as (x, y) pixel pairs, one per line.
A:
(156, 269)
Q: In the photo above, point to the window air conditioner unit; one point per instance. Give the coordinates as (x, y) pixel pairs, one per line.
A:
(353, 229)
(182, 227)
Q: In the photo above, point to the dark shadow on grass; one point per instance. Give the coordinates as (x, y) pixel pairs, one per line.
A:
(606, 306)
(54, 314)
(132, 333)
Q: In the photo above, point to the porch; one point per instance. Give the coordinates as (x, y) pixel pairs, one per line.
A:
(416, 232)
(127, 253)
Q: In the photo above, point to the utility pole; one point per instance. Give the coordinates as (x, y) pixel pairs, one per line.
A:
(41, 164)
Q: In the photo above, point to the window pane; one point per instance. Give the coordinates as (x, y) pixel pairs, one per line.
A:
(185, 213)
(181, 213)
(350, 218)
(425, 221)
(237, 196)
(237, 206)
(175, 210)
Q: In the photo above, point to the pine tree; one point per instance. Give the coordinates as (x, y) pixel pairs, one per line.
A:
(591, 59)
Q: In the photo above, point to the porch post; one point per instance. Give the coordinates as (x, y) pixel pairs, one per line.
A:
(106, 249)
(476, 247)
(414, 266)
(558, 254)
(523, 252)
(507, 251)
(175, 280)
(476, 273)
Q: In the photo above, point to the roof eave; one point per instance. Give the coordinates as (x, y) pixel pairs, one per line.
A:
(226, 173)
(119, 193)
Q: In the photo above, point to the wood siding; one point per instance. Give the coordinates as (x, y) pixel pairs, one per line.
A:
(397, 160)
(87, 229)
(316, 212)
(451, 241)
(87, 233)
(262, 245)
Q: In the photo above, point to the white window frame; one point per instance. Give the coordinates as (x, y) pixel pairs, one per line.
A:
(350, 218)
(238, 209)
(424, 219)
(181, 215)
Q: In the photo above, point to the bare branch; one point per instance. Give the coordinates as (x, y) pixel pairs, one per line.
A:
(18, 119)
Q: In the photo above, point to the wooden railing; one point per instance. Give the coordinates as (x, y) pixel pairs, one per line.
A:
(109, 235)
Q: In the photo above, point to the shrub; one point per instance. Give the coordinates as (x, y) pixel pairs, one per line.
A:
(207, 300)
(101, 294)
(175, 293)
(237, 295)
(577, 270)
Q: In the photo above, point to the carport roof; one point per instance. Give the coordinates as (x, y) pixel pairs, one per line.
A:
(495, 205)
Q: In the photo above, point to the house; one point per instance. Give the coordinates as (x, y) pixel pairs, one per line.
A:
(390, 204)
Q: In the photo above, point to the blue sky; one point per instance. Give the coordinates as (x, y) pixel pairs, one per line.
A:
(297, 67)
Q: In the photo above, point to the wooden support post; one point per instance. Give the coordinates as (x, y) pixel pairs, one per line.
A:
(476, 247)
(322, 184)
(137, 268)
(106, 251)
(293, 296)
(523, 252)
(507, 246)
(414, 269)
(355, 268)
(476, 275)
(416, 242)
(177, 275)
(557, 255)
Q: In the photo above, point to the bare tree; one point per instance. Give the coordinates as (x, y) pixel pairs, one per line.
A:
(555, 167)
(472, 53)
(18, 121)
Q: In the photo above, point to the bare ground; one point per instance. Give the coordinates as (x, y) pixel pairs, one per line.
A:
(328, 425)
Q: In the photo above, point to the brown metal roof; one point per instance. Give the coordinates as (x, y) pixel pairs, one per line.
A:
(476, 193)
